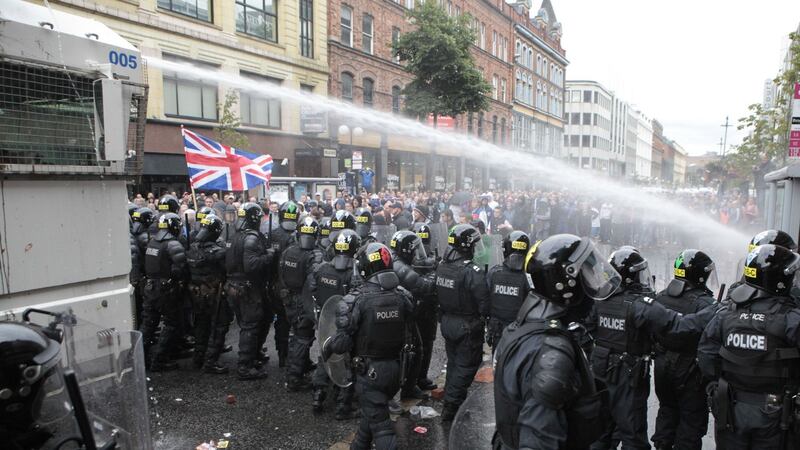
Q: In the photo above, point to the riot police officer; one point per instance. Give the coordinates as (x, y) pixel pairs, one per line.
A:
(371, 325)
(423, 230)
(363, 218)
(508, 285)
(408, 252)
(334, 278)
(201, 214)
(165, 204)
(342, 220)
(426, 310)
(141, 219)
(206, 259)
(280, 239)
(682, 413)
(247, 263)
(324, 243)
(545, 395)
(165, 267)
(464, 301)
(750, 349)
(297, 264)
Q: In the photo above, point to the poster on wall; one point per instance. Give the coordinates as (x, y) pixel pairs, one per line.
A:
(357, 160)
(794, 130)
(438, 183)
(392, 182)
(467, 183)
(279, 193)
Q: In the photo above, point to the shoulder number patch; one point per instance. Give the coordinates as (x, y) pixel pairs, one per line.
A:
(648, 300)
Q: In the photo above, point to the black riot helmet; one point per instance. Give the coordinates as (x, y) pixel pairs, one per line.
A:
(28, 357)
(465, 239)
(288, 215)
(632, 267)
(169, 226)
(168, 203)
(210, 228)
(250, 214)
(142, 218)
(771, 268)
(203, 212)
(696, 268)
(325, 228)
(345, 248)
(342, 220)
(565, 269)
(307, 232)
(423, 230)
(131, 209)
(363, 222)
(775, 237)
(374, 260)
(515, 246)
(408, 246)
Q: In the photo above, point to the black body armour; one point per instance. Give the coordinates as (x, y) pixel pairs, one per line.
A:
(331, 282)
(234, 258)
(684, 300)
(279, 241)
(756, 356)
(293, 267)
(454, 297)
(381, 333)
(507, 291)
(157, 264)
(616, 329)
(586, 412)
(202, 266)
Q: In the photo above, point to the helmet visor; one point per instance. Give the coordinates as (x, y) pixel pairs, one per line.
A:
(419, 252)
(794, 267)
(598, 277)
(712, 281)
(479, 248)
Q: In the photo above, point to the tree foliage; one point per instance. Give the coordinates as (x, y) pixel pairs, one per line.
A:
(446, 81)
(767, 128)
(229, 124)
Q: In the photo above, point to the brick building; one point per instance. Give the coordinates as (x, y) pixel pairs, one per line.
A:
(363, 71)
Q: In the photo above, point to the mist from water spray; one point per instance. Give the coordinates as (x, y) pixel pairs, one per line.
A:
(725, 242)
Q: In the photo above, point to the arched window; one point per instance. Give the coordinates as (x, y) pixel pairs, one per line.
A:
(480, 124)
(539, 64)
(518, 52)
(530, 58)
(494, 129)
(544, 68)
(347, 86)
(503, 131)
(396, 99)
(519, 93)
(369, 90)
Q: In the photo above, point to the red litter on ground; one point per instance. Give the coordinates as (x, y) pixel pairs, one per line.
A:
(230, 399)
(420, 430)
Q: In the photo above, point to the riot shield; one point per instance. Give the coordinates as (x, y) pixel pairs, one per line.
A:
(491, 252)
(338, 365)
(439, 233)
(474, 424)
(109, 367)
(384, 233)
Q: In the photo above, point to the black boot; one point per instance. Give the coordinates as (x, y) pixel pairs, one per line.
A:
(449, 413)
(163, 366)
(215, 369)
(346, 412)
(251, 373)
(282, 358)
(426, 384)
(414, 392)
(295, 384)
(318, 398)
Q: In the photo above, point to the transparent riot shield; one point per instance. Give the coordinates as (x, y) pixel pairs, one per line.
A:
(491, 252)
(474, 424)
(338, 365)
(439, 233)
(384, 233)
(109, 367)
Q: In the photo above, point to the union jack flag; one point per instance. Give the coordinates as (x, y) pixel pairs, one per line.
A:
(220, 167)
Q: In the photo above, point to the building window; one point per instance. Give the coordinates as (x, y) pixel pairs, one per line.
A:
(306, 87)
(574, 140)
(347, 86)
(347, 26)
(257, 110)
(369, 91)
(587, 118)
(396, 99)
(503, 90)
(198, 9)
(480, 124)
(494, 129)
(257, 18)
(594, 141)
(307, 28)
(366, 33)
(189, 98)
(594, 119)
(495, 87)
(395, 40)
(470, 116)
(538, 64)
(585, 140)
(483, 36)
(494, 43)
(566, 140)
(576, 96)
(503, 131)
(587, 97)
(576, 118)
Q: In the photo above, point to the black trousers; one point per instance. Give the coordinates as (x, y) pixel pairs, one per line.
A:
(300, 313)
(427, 324)
(248, 304)
(682, 419)
(628, 400)
(277, 313)
(210, 319)
(463, 340)
(756, 427)
(375, 387)
(162, 301)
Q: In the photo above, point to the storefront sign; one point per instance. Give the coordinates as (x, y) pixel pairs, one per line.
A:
(794, 130)
(357, 160)
(392, 182)
(438, 183)
(348, 163)
(329, 152)
(279, 193)
(467, 183)
(347, 182)
(312, 121)
(442, 122)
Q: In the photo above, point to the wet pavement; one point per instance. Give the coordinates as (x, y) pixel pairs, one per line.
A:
(188, 408)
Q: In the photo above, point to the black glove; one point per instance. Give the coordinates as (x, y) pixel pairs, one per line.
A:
(327, 349)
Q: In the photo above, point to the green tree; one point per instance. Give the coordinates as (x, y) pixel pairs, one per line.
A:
(437, 53)
(229, 124)
(768, 128)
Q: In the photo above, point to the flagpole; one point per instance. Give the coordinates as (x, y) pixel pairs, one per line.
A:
(191, 185)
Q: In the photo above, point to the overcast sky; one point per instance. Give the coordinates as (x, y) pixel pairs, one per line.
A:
(686, 63)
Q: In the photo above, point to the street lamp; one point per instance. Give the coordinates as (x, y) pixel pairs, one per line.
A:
(357, 131)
